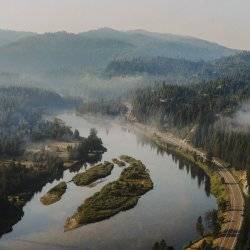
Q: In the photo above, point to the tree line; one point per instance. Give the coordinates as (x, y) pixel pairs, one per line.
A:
(21, 118)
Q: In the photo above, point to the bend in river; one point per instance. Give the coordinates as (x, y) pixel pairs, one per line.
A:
(169, 211)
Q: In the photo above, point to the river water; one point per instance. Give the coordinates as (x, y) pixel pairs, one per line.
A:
(169, 211)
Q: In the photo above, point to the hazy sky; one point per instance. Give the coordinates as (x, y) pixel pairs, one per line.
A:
(224, 21)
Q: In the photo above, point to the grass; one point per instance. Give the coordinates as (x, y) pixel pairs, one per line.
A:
(55, 194)
(118, 162)
(114, 197)
(91, 175)
(127, 159)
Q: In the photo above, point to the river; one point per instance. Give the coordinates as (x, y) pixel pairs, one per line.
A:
(169, 211)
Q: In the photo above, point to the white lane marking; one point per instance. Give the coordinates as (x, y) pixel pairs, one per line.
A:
(237, 228)
(232, 218)
(241, 221)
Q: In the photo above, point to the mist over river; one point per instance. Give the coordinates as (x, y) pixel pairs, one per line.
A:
(169, 211)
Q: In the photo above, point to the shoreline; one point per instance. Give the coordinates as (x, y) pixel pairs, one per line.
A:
(172, 143)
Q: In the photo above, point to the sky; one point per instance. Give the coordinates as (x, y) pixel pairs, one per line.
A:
(223, 21)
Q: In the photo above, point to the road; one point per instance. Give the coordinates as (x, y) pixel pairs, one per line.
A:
(231, 228)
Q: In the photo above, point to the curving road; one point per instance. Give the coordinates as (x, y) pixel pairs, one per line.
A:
(231, 231)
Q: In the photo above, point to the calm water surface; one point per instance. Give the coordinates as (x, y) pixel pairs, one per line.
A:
(168, 211)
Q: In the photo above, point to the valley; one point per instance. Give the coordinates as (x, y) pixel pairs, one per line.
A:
(123, 140)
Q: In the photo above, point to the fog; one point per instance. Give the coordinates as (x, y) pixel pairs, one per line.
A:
(242, 117)
(86, 86)
(238, 122)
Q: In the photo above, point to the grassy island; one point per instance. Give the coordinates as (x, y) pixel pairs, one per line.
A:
(128, 159)
(118, 162)
(114, 197)
(91, 175)
(55, 194)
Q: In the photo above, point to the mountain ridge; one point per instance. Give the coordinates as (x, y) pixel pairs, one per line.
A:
(93, 50)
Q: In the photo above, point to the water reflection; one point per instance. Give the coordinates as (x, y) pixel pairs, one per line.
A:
(21, 190)
(183, 163)
(181, 193)
(28, 183)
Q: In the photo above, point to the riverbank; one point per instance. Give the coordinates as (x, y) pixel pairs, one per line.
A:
(224, 192)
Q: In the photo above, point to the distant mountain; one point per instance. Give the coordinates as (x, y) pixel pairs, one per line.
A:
(8, 36)
(94, 50)
(61, 50)
(152, 44)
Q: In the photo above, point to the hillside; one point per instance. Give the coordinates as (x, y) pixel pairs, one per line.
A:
(53, 51)
(153, 66)
(180, 69)
(9, 36)
(151, 44)
(93, 50)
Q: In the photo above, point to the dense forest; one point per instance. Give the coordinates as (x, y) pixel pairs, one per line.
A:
(89, 149)
(21, 118)
(154, 66)
(103, 107)
(181, 71)
(205, 107)
(212, 114)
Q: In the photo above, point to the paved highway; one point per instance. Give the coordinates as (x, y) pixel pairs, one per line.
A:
(231, 231)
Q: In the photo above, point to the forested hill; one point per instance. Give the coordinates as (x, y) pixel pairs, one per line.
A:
(157, 66)
(21, 111)
(177, 68)
(213, 109)
(91, 51)
(212, 115)
(9, 36)
(22, 105)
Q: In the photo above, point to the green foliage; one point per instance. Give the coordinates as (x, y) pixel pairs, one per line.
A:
(173, 105)
(206, 245)
(111, 108)
(200, 227)
(128, 159)
(213, 222)
(21, 111)
(114, 197)
(161, 246)
(244, 238)
(157, 66)
(118, 162)
(18, 180)
(94, 173)
(207, 107)
(181, 71)
(54, 194)
(88, 147)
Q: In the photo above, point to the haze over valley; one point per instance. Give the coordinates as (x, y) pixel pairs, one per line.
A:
(130, 137)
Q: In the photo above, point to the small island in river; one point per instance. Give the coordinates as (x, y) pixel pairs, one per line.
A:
(55, 194)
(118, 162)
(114, 197)
(91, 175)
